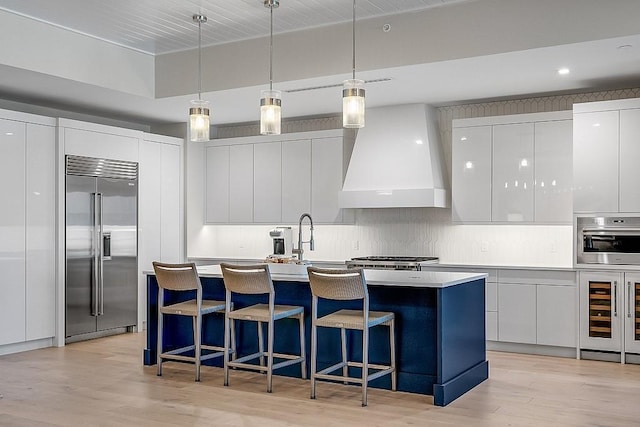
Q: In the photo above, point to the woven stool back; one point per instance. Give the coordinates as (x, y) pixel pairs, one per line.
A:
(337, 284)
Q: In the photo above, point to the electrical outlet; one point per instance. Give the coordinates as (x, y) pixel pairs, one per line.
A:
(484, 246)
(554, 247)
(356, 245)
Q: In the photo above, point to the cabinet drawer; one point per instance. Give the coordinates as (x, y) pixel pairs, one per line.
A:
(542, 277)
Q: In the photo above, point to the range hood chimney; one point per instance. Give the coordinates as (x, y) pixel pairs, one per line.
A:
(396, 161)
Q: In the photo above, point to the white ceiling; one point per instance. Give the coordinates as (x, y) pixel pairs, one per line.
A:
(162, 26)
(158, 26)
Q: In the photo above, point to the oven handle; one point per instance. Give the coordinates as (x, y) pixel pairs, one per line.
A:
(609, 231)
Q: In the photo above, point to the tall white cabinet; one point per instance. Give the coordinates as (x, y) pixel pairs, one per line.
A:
(513, 169)
(27, 231)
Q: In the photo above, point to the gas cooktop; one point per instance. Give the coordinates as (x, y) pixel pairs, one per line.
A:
(392, 262)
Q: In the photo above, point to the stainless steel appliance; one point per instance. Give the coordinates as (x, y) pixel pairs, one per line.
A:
(392, 262)
(282, 241)
(101, 246)
(608, 240)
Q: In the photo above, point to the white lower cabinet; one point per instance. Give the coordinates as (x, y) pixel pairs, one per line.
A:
(491, 307)
(556, 315)
(610, 311)
(517, 313)
(537, 307)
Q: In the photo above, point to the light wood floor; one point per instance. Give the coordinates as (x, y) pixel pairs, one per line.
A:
(103, 383)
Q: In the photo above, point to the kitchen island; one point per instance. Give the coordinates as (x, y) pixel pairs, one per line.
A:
(440, 326)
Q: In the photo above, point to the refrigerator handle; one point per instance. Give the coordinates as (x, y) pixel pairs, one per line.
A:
(96, 261)
(101, 264)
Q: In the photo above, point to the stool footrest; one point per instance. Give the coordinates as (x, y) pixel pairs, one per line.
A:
(324, 374)
(291, 359)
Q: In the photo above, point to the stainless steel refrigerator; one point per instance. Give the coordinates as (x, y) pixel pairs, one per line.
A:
(101, 246)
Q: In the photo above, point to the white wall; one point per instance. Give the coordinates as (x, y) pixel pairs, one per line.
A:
(409, 231)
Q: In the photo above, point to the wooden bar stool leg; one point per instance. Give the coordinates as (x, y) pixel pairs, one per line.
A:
(303, 365)
(392, 343)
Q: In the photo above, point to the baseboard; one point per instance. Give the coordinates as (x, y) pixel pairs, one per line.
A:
(541, 350)
(26, 346)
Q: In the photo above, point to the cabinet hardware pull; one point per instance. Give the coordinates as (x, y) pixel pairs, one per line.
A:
(629, 298)
(615, 298)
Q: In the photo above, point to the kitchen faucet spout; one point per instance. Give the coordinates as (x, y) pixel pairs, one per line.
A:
(299, 251)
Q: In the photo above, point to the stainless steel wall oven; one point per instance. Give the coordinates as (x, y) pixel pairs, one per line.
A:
(613, 240)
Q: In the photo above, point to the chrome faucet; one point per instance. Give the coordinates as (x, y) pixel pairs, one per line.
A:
(299, 250)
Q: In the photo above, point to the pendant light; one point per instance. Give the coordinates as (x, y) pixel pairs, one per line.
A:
(271, 100)
(353, 90)
(199, 111)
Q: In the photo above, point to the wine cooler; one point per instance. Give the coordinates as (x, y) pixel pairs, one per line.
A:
(610, 311)
(601, 295)
(601, 320)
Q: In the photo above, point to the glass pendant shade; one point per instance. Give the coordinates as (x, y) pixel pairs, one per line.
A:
(199, 121)
(353, 104)
(270, 112)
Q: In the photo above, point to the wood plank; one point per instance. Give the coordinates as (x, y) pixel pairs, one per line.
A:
(103, 382)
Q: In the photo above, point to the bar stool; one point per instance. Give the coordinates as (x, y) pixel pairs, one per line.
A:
(256, 280)
(345, 285)
(184, 277)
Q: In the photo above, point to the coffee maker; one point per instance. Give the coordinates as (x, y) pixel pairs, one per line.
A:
(282, 241)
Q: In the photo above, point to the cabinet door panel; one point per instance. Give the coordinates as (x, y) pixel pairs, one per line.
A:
(267, 182)
(326, 179)
(513, 167)
(517, 313)
(471, 174)
(595, 161)
(629, 160)
(556, 318)
(296, 180)
(40, 232)
(632, 313)
(554, 172)
(217, 179)
(170, 220)
(241, 183)
(12, 232)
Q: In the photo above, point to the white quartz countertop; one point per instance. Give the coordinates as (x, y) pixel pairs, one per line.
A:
(418, 279)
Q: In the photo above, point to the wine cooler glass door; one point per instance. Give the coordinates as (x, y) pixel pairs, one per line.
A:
(601, 295)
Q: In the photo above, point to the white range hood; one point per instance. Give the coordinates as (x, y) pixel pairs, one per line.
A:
(396, 161)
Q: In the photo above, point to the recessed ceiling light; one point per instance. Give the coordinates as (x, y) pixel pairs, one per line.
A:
(464, 138)
(563, 71)
(9, 133)
(419, 141)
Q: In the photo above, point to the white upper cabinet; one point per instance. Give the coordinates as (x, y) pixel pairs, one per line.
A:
(553, 171)
(629, 160)
(217, 184)
(12, 232)
(516, 168)
(513, 168)
(595, 161)
(275, 179)
(241, 183)
(326, 179)
(471, 174)
(267, 180)
(296, 179)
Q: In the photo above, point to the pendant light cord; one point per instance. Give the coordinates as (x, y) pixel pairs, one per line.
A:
(271, 50)
(353, 28)
(199, 59)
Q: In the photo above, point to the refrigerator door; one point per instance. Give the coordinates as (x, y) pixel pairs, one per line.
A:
(118, 243)
(81, 284)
